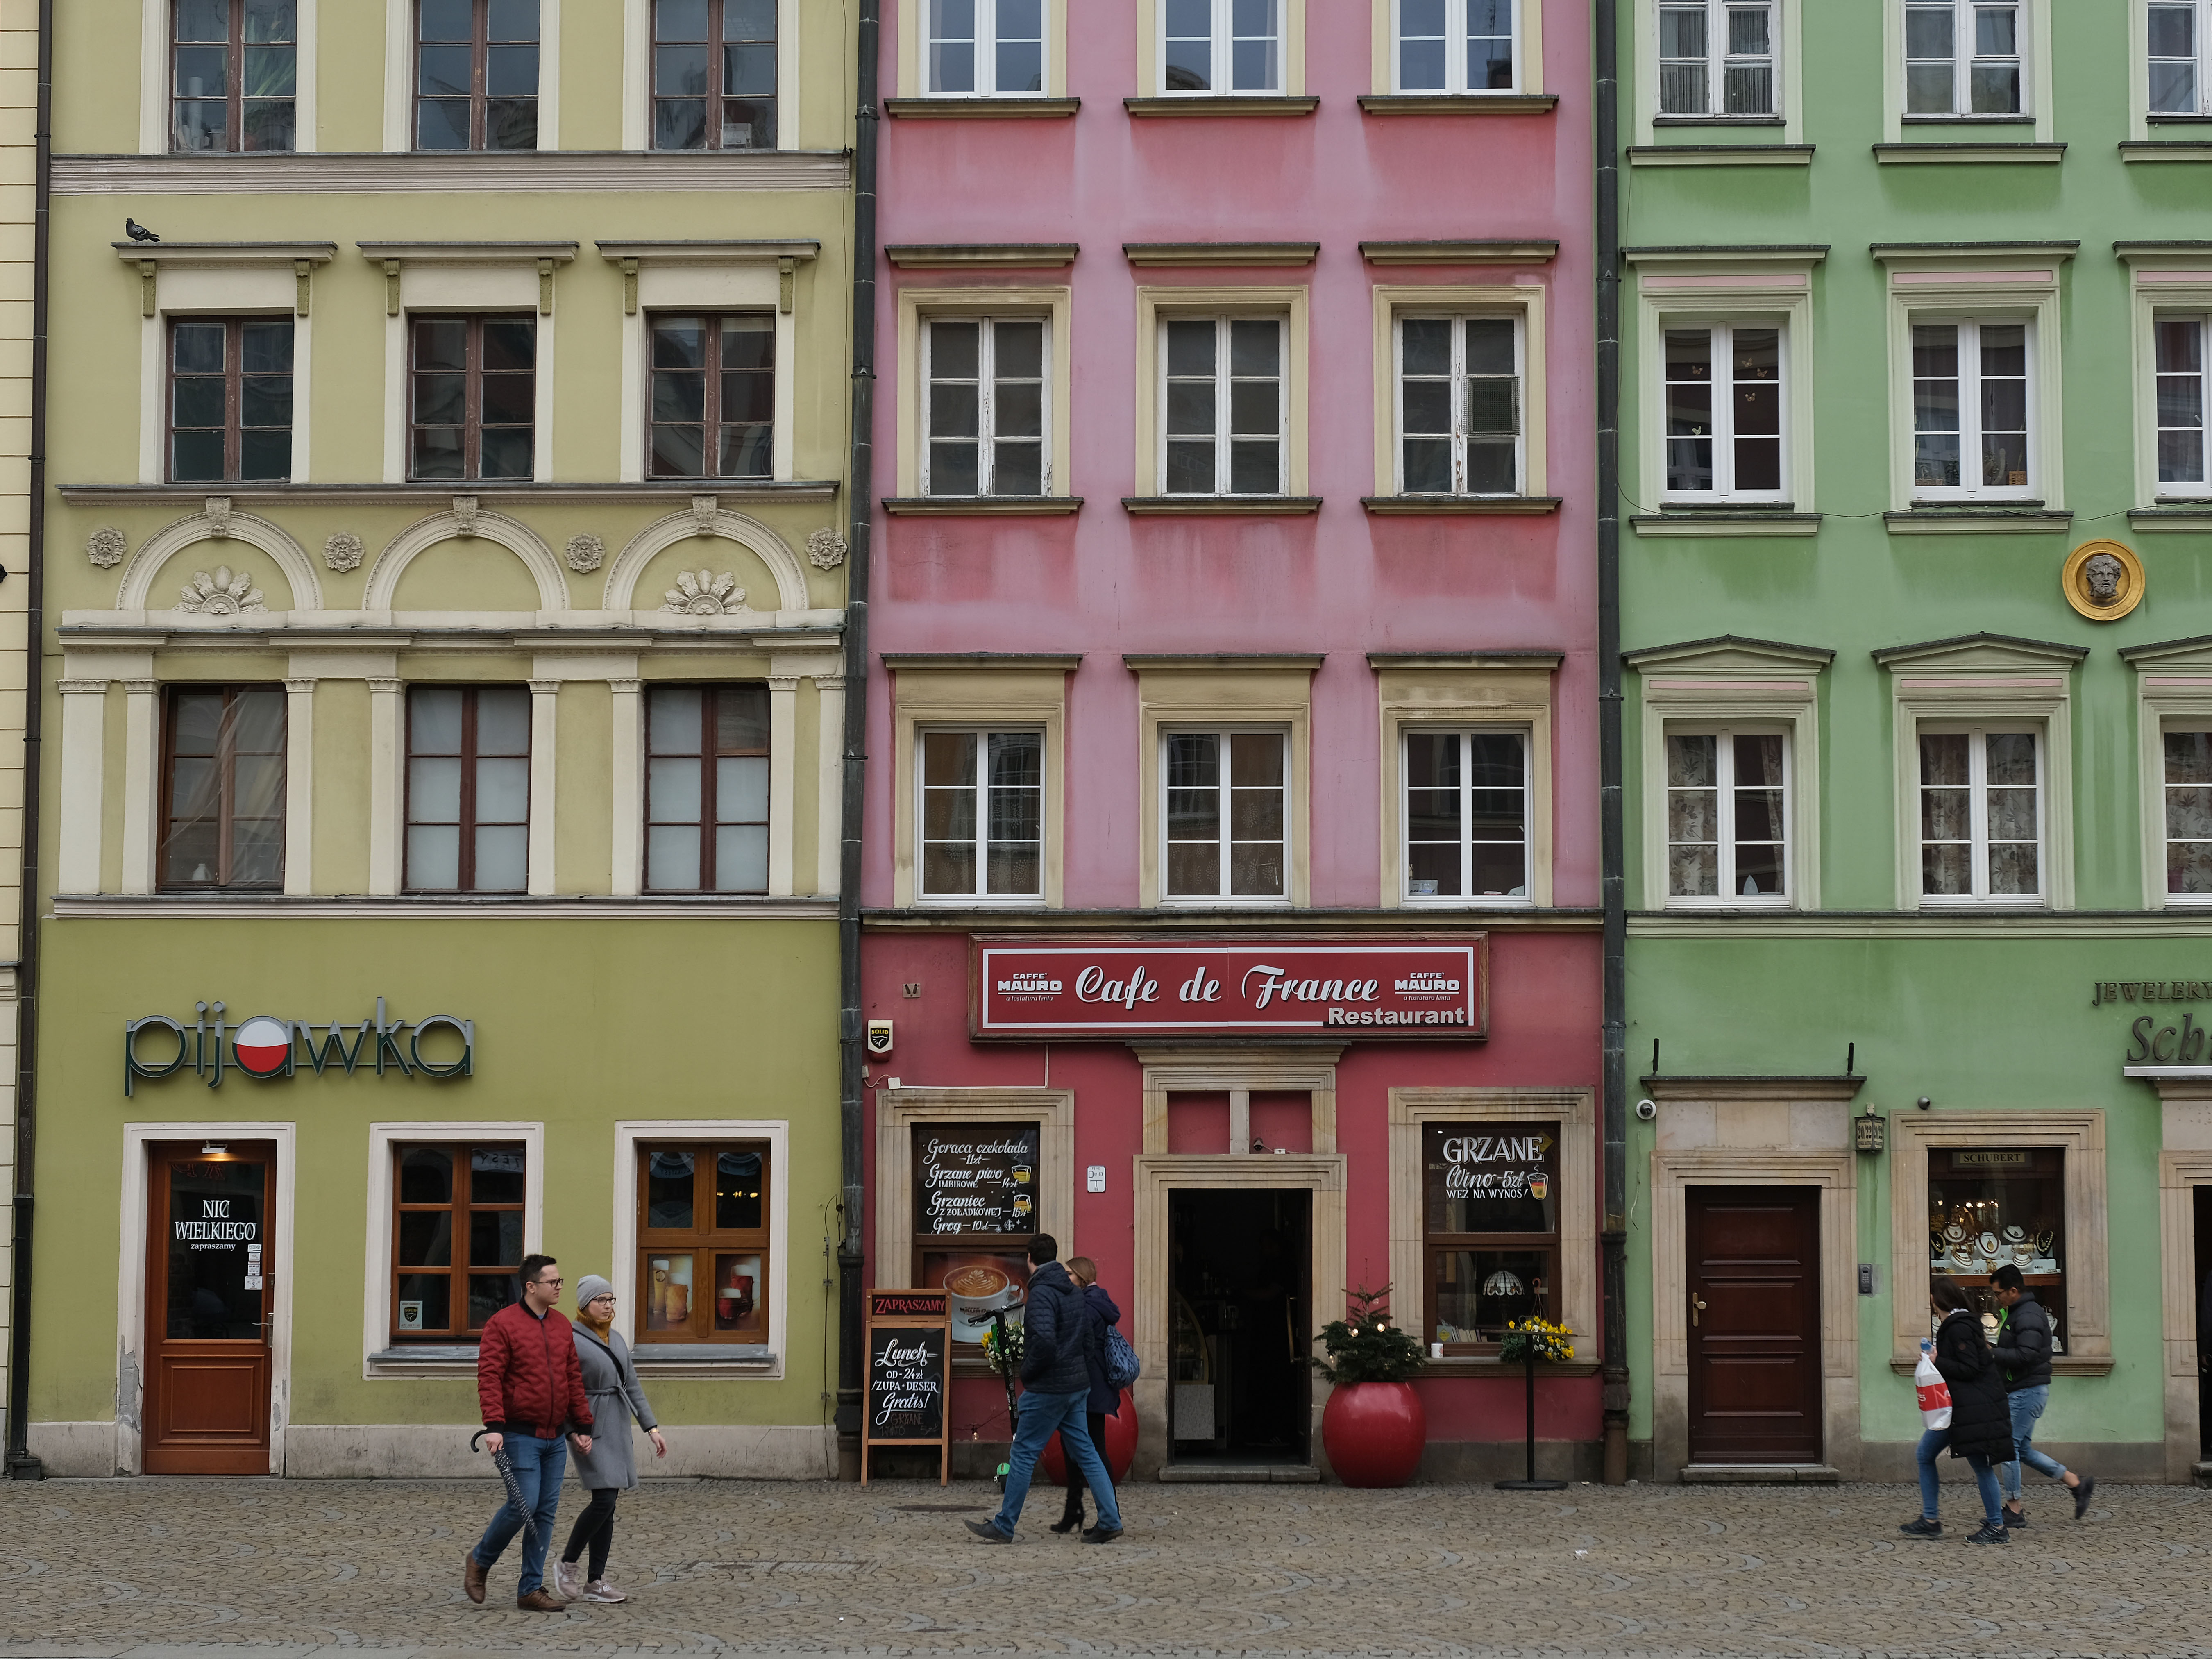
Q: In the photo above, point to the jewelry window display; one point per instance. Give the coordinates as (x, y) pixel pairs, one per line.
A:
(1993, 1206)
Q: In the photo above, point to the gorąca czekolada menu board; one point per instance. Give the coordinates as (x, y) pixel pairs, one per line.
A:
(910, 1340)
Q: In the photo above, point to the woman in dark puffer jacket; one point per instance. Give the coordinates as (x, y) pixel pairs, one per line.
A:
(1981, 1418)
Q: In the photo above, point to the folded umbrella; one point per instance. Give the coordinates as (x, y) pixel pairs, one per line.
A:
(506, 1468)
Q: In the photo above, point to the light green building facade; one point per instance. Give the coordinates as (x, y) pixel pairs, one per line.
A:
(512, 693)
(1915, 298)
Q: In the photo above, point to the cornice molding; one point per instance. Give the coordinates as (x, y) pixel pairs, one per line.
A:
(1497, 251)
(442, 492)
(968, 256)
(399, 172)
(231, 254)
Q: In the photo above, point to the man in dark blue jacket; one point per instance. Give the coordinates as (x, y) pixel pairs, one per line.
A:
(2023, 1352)
(1057, 1336)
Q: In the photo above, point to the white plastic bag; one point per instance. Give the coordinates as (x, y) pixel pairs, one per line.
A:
(1934, 1393)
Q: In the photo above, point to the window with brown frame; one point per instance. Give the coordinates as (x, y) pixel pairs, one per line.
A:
(1491, 1229)
(703, 1242)
(233, 75)
(222, 788)
(713, 396)
(467, 789)
(474, 398)
(706, 789)
(230, 399)
(456, 1236)
(476, 73)
(974, 1211)
(713, 73)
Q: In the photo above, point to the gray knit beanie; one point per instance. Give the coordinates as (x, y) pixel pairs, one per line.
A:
(590, 1288)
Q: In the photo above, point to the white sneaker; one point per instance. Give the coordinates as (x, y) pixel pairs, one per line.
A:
(600, 1590)
(564, 1581)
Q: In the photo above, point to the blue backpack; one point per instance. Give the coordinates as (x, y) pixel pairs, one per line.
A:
(1121, 1367)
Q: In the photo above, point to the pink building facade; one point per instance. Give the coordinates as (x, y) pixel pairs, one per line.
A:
(1231, 881)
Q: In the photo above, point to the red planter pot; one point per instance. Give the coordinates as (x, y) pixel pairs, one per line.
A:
(1121, 1446)
(1373, 1433)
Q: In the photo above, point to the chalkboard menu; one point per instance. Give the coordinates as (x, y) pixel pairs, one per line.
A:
(910, 1342)
(975, 1178)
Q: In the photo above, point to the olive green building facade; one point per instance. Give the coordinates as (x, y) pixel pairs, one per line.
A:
(443, 707)
(1916, 588)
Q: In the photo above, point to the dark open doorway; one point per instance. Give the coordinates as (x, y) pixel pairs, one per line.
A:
(1241, 1314)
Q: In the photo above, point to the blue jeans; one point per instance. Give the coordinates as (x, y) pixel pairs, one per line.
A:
(1040, 1417)
(2028, 1405)
(538, 1466)
(1932, 1442)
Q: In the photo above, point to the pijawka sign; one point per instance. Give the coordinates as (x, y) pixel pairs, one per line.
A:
(264, 1046)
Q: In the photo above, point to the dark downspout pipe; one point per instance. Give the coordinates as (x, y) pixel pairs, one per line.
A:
(20, 1465)
(1614, 1242)
(860, 499)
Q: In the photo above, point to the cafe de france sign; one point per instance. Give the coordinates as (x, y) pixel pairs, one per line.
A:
(1108, 989)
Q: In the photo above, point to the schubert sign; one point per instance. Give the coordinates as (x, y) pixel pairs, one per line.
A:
(1394, 988)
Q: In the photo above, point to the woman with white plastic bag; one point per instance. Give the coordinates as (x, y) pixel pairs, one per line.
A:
(1964, 1408)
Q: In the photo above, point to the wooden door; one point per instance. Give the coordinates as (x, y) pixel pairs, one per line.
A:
(208, 1299)
(1753, 1256)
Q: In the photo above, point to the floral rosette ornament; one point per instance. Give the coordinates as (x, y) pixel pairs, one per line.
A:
(1534, 1338)
(1005, 1356)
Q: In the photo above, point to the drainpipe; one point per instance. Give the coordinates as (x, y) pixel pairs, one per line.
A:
(1614, 1242)
(860, 499)
(20, 1465)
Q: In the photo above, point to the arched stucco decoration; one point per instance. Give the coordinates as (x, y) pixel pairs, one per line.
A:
(237, 529)
(786, 566)
(517, 538)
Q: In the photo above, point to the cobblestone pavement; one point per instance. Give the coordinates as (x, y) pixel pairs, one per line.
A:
(146, 1567)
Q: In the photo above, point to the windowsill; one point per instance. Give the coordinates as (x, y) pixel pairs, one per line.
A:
(1207, 103)
(1459, 103)
(1723, 121)
(1968, 151)
(1782, 520)
(1460, 907)
(2167, 149)
(2153, 520)
(1477, 1365)
(1966, 120)
(2024, 518)
(1729, 907)
(201, 907)
(482, 490)
(1186, 905)
(966, 903)
(2062, 1365)
(440, 1359)
(1433, 506)
(1720, 156)
(669, 1358)
(2166, 119)
(1221, 506)
(980, 507)
(982, 109)
(1974, 906)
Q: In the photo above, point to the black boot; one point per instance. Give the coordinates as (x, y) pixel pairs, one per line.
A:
(1071, 1517)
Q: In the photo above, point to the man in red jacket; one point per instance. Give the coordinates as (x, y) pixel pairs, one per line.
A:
(530, 1386)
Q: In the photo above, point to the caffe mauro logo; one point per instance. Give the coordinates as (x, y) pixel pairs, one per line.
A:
(264, 1046)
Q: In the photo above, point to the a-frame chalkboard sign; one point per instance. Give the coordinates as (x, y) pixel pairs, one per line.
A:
(910, 1338)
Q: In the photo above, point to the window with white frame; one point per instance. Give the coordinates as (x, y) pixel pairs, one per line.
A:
(1727, 816)
(1717, 57)
(983, 814)
(1964, 57)
(985, 379)
(1459, 405)
(2179, 362)
(1223, 430)
(984, 48)
(1981, 814)
(1465, 817)
(1226, 815)
(1456, 45)
(2188, 814)
(2176, 55)
(1221, 47)
(1724, 399)
(1971, 404)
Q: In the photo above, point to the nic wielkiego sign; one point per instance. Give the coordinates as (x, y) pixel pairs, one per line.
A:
(1397, 988)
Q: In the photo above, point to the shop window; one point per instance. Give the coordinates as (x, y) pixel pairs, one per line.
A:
(1221, 47)
(1459, 405)
(1466, 817)
(467, 789)
(222, 789)
(702, 1243)
(713, 73)
(457, 1227)
(1717, 57)
(1971, 393)
(1490, 1217)
(1981, 816)
(1727, 816)
(1962, 56)
(235, 75)
(986, 406)
(476, 75)
(1990, 1207)
(473, 397)
(1455, 47)
(1223, 394)
(230, 399)
(974, 1211)
(982, 815)
(2181, 370)
(713, 396)
(1724, 398)
(1225, 805)
(2188, 814)
(2176, 81)
(984, 48)
(706, 789)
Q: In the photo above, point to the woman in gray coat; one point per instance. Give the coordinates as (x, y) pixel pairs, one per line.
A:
(606, 1470)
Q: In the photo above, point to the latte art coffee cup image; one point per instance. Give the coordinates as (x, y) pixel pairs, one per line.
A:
(977, 1283)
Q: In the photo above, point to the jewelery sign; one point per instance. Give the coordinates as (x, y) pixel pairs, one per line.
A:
(1392, 988)
(265, 1046)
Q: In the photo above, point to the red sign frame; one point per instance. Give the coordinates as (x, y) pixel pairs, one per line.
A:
(1394, 988)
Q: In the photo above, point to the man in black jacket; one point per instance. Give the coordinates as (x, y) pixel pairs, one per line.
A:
(1057, 1336)
(2023, 1354)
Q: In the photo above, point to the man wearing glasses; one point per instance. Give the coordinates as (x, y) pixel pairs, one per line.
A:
(531, 1388)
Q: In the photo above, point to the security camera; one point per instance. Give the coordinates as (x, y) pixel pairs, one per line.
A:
(1647, 1110)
